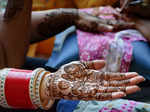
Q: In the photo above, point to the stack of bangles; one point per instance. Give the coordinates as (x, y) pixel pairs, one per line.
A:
(21, 89)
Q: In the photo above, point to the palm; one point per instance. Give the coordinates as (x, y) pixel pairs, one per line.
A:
(81, 80)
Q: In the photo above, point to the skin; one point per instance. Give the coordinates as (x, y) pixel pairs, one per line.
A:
(139, 13)
(50, 22)
(82, 81)
(15, 33)
(136, 7)
(143, 26)
(18, 28)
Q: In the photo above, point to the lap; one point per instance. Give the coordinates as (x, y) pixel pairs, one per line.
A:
(140, 59)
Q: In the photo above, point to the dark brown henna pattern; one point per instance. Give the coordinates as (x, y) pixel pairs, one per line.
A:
(12, 8)
(75, 82)
(103, 96)
(56, 21)
(71, 69)
(88, 64)
(116, 83)
(108, 77)
(111, 89)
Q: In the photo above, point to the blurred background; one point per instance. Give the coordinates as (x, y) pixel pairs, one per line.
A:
(44, 48)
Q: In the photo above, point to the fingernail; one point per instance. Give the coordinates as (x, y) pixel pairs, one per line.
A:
(132, 73)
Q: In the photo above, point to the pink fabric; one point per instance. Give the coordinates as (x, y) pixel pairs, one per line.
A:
(96, 46)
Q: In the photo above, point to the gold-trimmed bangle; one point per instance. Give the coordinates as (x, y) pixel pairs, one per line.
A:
(47, 103)
(32, 89)
(37, 87)
(3, 75)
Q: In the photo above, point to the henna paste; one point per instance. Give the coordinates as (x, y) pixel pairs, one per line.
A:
(88, 65)
(103, 96)
(56, 21)
(66, 83)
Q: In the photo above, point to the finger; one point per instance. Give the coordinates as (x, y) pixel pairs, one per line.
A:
(109, 96)
(104, 28)
(128, 82)
(96, 64)
(127, 90)
(89, 91)
(123, 25)
(136, 80)
(113, 76)
(132, 89)
(98, 96)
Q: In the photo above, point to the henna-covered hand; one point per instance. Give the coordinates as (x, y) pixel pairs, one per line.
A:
(51, 22)
(90, 23)
(137, 8)
(83, 81)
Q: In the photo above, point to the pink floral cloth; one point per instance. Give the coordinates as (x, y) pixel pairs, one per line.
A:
(119, 105)
(114, 47)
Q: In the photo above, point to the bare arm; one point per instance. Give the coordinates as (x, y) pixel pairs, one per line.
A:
(50, 22)
(14, 32)
(143, 25)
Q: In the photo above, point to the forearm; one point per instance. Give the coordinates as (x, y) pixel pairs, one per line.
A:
(27, 89)
(15, 31)
(48, 23)
(143, 26)
(3, 61)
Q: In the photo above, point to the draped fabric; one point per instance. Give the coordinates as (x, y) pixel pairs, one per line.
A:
(114, 47)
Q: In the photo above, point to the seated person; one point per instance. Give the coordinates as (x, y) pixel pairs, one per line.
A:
(128, 53)
(18, 15)
(17, 31)
(89, 47)
(32, 89)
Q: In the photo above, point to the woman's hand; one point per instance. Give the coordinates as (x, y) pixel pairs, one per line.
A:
(51, 22)
(91, 23)
(138, 8)
(143, 26)
(83, 81)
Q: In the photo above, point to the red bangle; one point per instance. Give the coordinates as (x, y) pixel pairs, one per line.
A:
(17, 89)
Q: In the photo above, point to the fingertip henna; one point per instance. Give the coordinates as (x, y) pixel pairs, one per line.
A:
(103, 96)
(88, 64)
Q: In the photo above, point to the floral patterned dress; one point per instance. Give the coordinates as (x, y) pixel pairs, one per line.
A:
(120, 105)
(114, 47)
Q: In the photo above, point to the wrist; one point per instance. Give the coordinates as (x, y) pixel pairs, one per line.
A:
(44, 87)
(46, 100)
(71, 15)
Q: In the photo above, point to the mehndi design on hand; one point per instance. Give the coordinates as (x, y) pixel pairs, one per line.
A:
(83, 81)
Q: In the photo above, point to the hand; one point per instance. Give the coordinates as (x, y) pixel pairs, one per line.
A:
(82, 81)
(91, 23)
(143, 26)
(136, 7)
